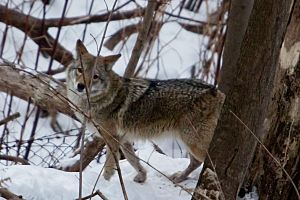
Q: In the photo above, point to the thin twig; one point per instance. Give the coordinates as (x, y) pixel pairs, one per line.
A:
(58, 34)
(81, 159)
(33, 132)
(100, 194)
(186, 18)
(120, 176)
(10, 118)
(97, 179)
(27, 115)
(87, 19)
(85, 25)
(105, 29)
(157, 148)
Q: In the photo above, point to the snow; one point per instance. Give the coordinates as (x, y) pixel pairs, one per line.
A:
(38, 183)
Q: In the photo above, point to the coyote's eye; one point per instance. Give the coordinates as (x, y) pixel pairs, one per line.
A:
(79, 70)
(95, 76)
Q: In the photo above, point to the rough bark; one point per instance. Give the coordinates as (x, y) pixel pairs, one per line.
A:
(239, 14)
(283, 136)
(247, 85)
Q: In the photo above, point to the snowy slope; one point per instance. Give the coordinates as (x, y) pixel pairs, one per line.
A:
(39, 183)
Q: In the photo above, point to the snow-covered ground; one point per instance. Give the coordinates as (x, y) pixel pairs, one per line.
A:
(39, 183)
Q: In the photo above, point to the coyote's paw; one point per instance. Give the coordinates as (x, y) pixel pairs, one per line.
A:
(140, 177)
(178, 177)
(108, 173)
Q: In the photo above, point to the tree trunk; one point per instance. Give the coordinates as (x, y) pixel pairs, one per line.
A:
(247, 85)
(283, 136)
(240, 11)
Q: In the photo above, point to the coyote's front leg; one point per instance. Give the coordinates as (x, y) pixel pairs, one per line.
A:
(112, 155)
(132, 158)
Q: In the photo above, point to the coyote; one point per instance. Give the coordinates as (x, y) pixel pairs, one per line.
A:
(135, 108)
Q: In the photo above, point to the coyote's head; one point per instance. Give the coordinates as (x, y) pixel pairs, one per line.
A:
(90, 74)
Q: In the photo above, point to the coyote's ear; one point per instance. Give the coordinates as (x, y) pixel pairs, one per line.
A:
(109, 61)
(80, 48)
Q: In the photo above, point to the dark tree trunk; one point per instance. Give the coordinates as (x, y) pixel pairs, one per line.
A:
(240, 11)
(283, 136)
(248, 84)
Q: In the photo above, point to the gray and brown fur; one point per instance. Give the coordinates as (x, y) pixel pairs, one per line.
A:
(134, 108)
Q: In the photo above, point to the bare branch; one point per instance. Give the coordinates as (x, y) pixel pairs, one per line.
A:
(91, 149)
(100, 194)
(35, 28)
(35, 88)
(199, 29)
(6, 194)
(96, 18)
(121, 34)
(186, 18)
(142, 36)
(14, 159)
(10, 118)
